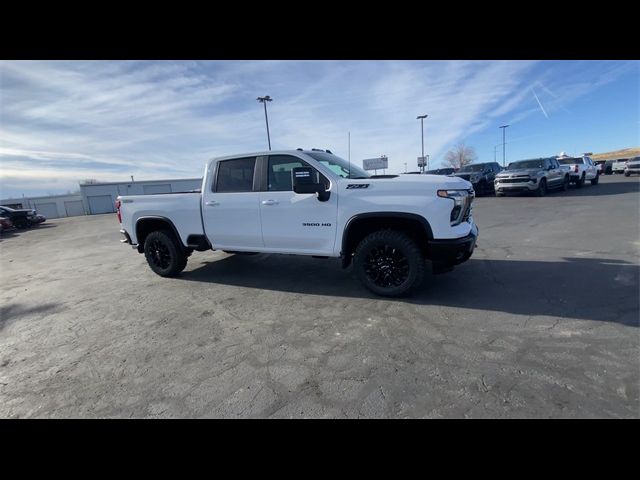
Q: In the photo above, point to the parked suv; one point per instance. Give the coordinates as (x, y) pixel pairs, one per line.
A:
(481, 175)
(441, 171)
(536, 175)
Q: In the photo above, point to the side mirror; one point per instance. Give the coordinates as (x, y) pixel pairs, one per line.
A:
(303, 181)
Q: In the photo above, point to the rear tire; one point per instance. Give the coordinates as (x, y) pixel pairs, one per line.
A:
(565, 183)
(580, 182)
(164, 254)
(389, 263)
(627, 174)
(499, 194)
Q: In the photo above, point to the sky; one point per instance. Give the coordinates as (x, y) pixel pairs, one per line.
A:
(66, 121)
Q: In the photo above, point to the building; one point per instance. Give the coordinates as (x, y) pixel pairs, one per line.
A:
(95, 198)
(51, 206)
(101, 197)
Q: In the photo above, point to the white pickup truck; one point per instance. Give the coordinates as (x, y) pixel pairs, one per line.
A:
(309, 202)
(580, 169)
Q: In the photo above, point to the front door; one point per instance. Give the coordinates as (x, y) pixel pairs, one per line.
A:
(556, 174)
(231, 207)
(291, 222)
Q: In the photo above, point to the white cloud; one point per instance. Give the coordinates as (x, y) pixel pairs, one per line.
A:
(64, 121)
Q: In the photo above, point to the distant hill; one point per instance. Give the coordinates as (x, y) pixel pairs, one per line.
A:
(624, 153)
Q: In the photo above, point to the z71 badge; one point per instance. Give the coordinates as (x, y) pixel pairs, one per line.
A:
(357, 185)
(305, 224)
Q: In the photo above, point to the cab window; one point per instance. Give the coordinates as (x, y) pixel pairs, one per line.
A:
(279, 173)
(235, 175)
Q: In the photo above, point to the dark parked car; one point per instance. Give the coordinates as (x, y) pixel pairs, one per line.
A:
(442, 171)
(5, 224)
(22, 218)
(607, 169)
(481, 176)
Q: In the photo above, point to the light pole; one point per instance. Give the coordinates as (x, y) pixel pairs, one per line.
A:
(421, 118)
(264, 101)
(504, 128)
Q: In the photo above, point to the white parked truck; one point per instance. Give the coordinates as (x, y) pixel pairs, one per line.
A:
(309, 202)
(580, 170)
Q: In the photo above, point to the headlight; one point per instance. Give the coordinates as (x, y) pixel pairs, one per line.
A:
(461, 203)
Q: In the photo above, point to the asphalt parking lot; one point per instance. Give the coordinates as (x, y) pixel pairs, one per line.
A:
(541, 322)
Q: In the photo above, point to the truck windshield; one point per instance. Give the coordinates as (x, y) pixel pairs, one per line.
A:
(480, 167)
(526, 164)
(338, 165)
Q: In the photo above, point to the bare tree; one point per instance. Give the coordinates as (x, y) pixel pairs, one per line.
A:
(460, 155)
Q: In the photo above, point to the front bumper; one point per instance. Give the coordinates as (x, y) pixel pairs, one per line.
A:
(516, 187)
(446, 253)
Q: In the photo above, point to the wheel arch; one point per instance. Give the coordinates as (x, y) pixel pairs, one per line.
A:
(151, 223)
(361, 225)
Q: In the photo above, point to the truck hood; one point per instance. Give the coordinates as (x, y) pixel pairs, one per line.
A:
(518, 172)
(409, 183)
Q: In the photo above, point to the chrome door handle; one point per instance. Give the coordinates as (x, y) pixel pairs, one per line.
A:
(211, 203)
(269, 202)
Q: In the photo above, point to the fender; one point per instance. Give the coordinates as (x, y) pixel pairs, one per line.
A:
(401, 215)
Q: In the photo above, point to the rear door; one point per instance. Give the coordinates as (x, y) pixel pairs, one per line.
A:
(292, 222)
(592, 170)
(231, 206)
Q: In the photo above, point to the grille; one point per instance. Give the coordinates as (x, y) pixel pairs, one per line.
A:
(514, 180)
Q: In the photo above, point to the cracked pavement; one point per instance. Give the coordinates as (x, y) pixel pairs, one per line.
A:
(541, 322)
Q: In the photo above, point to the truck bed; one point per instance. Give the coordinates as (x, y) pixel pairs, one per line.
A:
(183, 209)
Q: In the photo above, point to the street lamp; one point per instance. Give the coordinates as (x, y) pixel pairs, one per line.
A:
(503, 127)
(421, 118)
(264, 101)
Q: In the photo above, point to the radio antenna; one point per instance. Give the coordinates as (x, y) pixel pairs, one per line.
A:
(349, 155)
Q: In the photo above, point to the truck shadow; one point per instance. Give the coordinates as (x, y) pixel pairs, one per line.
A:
(13, 312)
(579, 288)
(609, 186)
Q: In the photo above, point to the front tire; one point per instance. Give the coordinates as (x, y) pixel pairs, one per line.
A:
(594, 181)
(164, 254)
(542, 188)
(389, 263)
(627, 174)
(21, 223)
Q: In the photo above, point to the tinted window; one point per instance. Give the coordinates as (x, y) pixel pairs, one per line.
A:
(279, 173)
(526, 164)
(236, 175)
(570, 161)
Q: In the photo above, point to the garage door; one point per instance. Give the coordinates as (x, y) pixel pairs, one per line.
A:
(101, 204)
(74, 208)
(49, 210)
(150, 189)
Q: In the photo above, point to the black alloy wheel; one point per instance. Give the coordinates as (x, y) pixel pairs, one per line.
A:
(164, 254)
(386, 266)
(389, 263)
